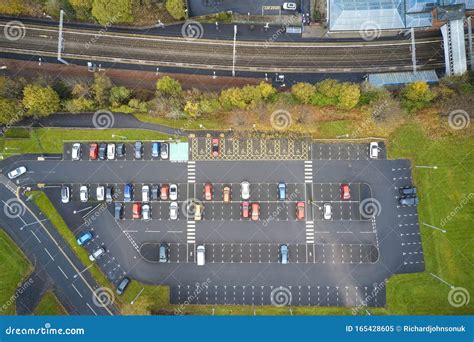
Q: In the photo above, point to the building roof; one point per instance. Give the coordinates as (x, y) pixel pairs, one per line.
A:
(398, 78)
(356, 15)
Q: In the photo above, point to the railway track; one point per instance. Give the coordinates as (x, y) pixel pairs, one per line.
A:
(375, 56)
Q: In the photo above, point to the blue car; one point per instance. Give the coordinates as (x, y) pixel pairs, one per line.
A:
(83, 239)
(155, 149)
(281, 191)
(128, 193)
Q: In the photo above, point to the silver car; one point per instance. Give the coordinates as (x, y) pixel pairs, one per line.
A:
(245, 190)
(327, 209)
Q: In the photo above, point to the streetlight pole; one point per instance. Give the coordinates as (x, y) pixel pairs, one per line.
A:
(233, 53)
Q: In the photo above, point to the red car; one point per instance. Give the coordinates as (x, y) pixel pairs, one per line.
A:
(345, 192)
(208, 192)
(164, 192)
(255, 211)
(136, 209)
(93, 151)
(245, 209)
(215, 147)
(300, 211)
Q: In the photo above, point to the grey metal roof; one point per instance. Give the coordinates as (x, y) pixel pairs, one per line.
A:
(356, 15)
(397, 78)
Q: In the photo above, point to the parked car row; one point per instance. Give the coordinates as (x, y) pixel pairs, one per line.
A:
(408, 196)
(110, 151)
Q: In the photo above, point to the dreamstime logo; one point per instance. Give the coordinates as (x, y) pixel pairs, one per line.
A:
(20, 289)
(280, 119)
(370, 30)
(13, 208)
(458, 296)
(376, 288)
(369, 208)
(280, 296)
(102, 297)
(458, 208)
(14, 30)
(192, 30)
(188, 207)
(459, 119)
(103, 119)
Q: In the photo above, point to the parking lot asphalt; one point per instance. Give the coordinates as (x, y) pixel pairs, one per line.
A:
(332, 261)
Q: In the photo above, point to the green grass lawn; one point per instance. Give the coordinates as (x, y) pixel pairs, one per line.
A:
(14, 268)
(184, 124)
(451, 255)
(49, 305)
(50, 140)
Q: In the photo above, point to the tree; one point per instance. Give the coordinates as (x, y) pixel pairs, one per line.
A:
(10, 111)
(176, 8)
(417, 95)
(108, 12)
(82, 8)
(12, 7)
(232, 98)
(266, 90)
(349, 96)
(101, 87)
(40, 101)
(191, 108)
(169, 86)
(303, 92)
(119, 96)
(78, 105)
(418, 92)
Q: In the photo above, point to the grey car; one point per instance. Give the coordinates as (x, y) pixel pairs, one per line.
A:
(138, 150)
(283, 254)
(164, 252)
(122, 285)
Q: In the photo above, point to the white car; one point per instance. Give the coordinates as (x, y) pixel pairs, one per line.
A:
(174, 210)
(84, 193)
(97, 254)
(289, 6)
(110, 151)
(200, 255)
(145, 193)
(173, 192)
(76, 151)
(100, 192)
(17, 172)
(374, 150)
(245, 190)
(146, 212)
(327, 209)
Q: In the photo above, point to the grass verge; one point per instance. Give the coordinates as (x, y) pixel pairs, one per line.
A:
(49, 305)
(51, 140)
(14, 269)
(443, 192)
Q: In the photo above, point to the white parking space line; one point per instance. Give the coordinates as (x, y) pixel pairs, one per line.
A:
(64, 274)
(95, 313)
(47, 252)
(32, 232)
(80, 295)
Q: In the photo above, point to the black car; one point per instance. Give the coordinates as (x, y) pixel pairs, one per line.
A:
(118, 211)
(120, 150)
(109, 194)
(138, 150)
(122, 285)
(103, 151)
(409, 201)
(155, 192)
(407, 191)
